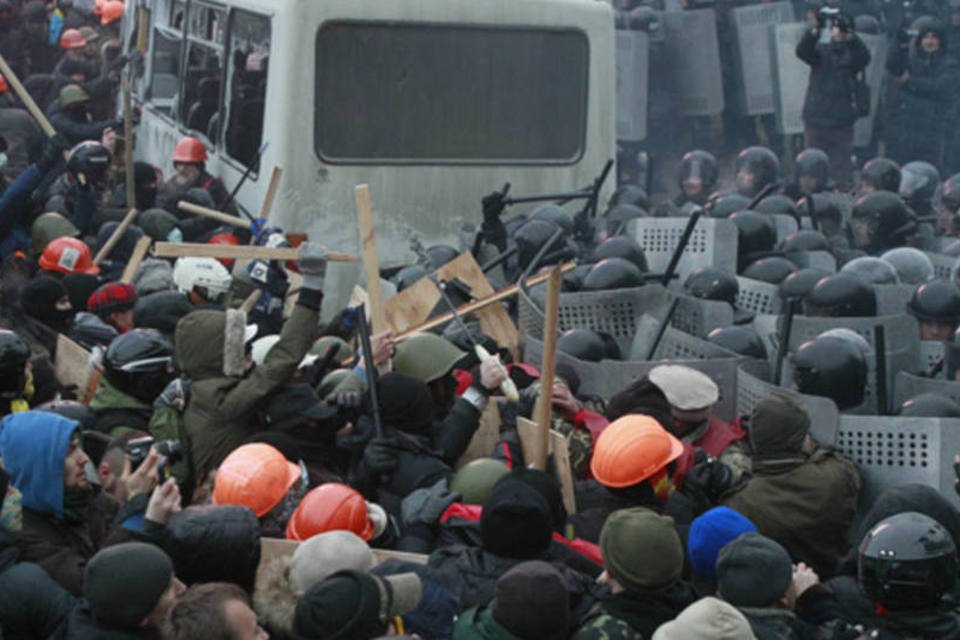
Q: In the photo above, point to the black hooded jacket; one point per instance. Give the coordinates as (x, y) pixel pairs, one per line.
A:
(833, 68)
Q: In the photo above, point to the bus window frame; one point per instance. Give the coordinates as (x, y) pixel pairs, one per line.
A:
(188, 39)
(469, 162)
(221, 131)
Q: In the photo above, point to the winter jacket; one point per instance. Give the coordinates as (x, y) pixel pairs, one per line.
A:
(118, 412)
(61, 532)
(833, 68)
(80, 625)
(637, 613)
(478, 624)
(771, 624)
(77, 131)
(221, 411)
(806, 503)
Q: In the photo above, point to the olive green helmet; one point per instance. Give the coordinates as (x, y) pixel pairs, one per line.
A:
(474, 481)
(339, 380)
(72, 94)
(48, 227)
(426, 356)
(320, 347)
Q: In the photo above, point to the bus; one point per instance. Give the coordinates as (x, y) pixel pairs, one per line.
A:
(433, 103)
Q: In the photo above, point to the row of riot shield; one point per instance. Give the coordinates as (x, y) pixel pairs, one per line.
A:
(769, 77)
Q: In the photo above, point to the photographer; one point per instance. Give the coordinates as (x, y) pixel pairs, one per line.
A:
(828, 110)
(925, 76)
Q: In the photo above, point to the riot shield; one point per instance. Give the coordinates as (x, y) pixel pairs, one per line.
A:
(874, 74)
(751, 27)
(633, 72)
(690, 40)
(790, 77)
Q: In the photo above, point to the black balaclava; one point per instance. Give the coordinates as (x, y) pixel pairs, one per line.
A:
(39, 300)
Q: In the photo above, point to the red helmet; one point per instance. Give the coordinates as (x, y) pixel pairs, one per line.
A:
(190, 149)
(112, 11)
(330, 507)
(225, 239)
(72, 39)
(4, 87)
(67, 255)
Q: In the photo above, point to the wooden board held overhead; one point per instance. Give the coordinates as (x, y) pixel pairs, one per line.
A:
(72, 365)
(371, 263)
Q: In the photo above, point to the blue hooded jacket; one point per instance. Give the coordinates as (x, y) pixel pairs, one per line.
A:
(33, 446)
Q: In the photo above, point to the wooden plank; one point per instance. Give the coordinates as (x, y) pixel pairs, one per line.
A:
(544, 403)
(244, 252)
(271, 192)
(470, 307)
(115, 236)
(486, 436)
(371, 263)
(26, 99)
(532, 445)
(213, 214)
(139, 253)
(561, 460)
(412, 306)
(73, 366)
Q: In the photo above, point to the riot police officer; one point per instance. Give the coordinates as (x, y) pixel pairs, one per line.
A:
(881, 221)
(841, 295)
(936, 306)
(832, 368)
(754, 169)
(879, 174)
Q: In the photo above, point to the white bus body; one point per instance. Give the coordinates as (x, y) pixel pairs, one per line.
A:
(433, 103)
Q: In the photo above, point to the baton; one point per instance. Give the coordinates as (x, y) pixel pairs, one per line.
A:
(880, 352)
(662, 329)
(785, 332)
(370, 368)
(682, 245)
(243, 178)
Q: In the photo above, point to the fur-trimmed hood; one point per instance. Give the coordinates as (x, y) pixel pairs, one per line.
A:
(210, 344)
(274, 598)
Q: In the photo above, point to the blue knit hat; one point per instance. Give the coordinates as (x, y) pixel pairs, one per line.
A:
(711, 532)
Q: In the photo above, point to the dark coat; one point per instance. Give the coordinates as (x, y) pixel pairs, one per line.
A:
(32, 605)
(833, 67)
(80, 625)
(641, 612)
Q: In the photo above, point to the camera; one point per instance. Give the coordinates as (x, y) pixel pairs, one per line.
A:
(139, 448)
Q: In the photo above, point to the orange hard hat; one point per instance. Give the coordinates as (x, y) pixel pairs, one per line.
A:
(98, 7)
(67, 255)
(190, 149)
(255, 476)
(72, 39)
(225, 239)
(4, 87)
(632, 449)
(112, 11)
(330, 507)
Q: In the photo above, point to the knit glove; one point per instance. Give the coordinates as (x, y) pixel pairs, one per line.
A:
(313, 265)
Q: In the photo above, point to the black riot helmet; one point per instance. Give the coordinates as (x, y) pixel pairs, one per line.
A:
(799, 283)
(408, 275)
(872, 270)
(161, 310)
(827, 214)
(728, 203)
(881, 221)
(629, 194)
(531, 237)
(812, 171)
(90, 158)
(441, 254)
(71, 410)
(554, 213)
(778, 203)
(773, 269)
(880, 174)
(841, 295)
(756, 235)
(710, 283)
(918, 183)
(619, 215)
(832, 368)
(907, 562)
(937, 301)
(14, 353)
(805, 240)
(698, 175)
(742, 340)
(950, 193)
(573, 280)
(755, 168)
(140, 363)
(582, 344)
(612, 273)
(621, 247)
(929, 405)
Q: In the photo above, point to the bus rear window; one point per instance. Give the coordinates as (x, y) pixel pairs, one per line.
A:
(403, 93)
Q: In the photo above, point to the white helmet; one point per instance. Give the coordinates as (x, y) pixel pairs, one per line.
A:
(262, 346)
(190, 272)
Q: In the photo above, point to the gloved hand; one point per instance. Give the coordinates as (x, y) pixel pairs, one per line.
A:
(380, 456)
(52, 153)
(313, 265)
(710, 478)
(350, 400)
(257, 226)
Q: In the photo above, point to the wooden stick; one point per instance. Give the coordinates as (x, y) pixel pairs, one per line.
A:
(143, 26)
(470, 307)
(251, 301)
(371, 263)
(115, 236)
(128, 145)
(271, 192)
(244, 252)
(139, 253)
(213, 214)
(548, 363)
(25, 98)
